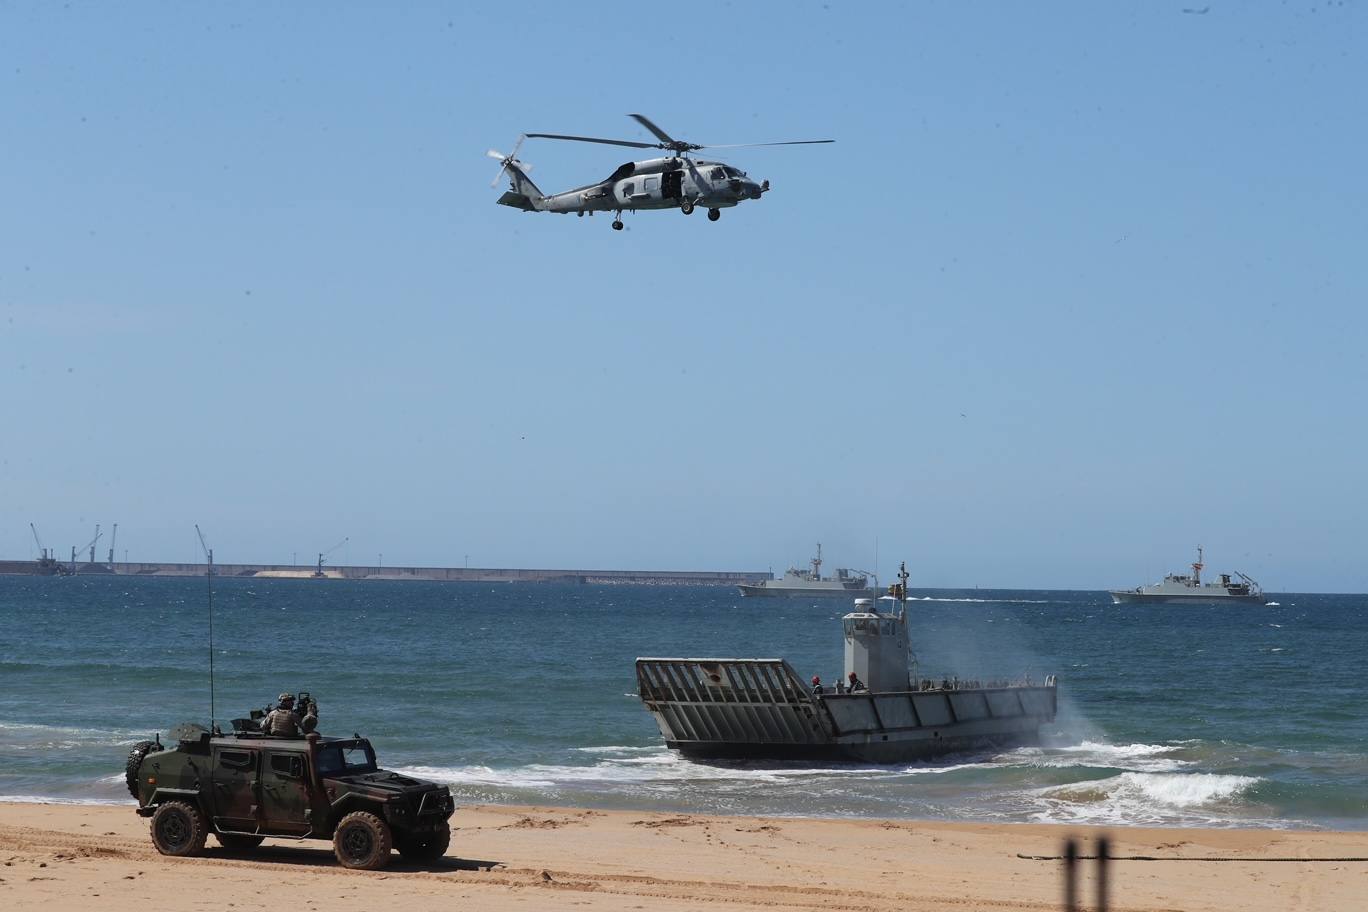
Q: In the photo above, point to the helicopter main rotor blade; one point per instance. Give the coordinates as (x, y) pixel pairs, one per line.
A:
(795, 142)
(659, 133)
(595, 139)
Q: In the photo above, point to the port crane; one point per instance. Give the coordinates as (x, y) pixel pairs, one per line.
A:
(90, 546)
(48, 564)
(43, 556)
(113, 537)
(322, 555)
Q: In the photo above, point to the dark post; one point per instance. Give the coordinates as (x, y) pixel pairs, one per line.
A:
(1070, 873)
(1103, 850)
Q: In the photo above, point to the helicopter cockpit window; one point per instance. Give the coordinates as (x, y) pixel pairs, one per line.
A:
(732, 172)
(717, 174)
(628, 189)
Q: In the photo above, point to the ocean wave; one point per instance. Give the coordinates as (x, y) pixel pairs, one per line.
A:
(1149, 758)
(45, 799)
(980, 601)
(1146, 798)
(29, 736)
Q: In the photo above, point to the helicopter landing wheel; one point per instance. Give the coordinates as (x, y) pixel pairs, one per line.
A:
(714, 214)
(617, 224)
(686, 207)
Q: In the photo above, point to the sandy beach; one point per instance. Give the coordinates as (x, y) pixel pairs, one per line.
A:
(67, 856)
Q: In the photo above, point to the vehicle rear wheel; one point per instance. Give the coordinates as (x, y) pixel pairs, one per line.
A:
(362, 841)
(178, 829)
(235, 842)
(426, 846)
(135, 759)
(714, 214)
(687, 207)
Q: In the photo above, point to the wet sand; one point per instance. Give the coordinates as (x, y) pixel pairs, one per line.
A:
(501, 857)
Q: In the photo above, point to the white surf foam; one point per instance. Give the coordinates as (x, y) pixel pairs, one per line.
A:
(1146, 798)
(1150, 758)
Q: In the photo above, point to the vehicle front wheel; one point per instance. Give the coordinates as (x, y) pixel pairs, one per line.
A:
(178, 829)
(236, 842)
(426, 846)
(714, 214)
(687, 208)
(362, 841)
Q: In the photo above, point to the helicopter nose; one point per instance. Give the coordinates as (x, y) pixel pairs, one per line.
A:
(757, 190)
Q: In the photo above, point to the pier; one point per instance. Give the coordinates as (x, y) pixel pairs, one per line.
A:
(376, 572)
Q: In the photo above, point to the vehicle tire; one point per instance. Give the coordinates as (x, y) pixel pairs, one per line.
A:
(235, 842)
(426, 846)
(617, 226)
(687, 208)
(362, 841)
(714, 214)
(178, 829)
(135, 759)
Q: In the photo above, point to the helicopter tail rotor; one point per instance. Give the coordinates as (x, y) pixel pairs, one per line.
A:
(506, 160)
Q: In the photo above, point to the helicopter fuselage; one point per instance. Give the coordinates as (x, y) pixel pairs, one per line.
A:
(658, 183)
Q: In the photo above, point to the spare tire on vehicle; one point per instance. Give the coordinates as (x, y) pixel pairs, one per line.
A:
(135, 759)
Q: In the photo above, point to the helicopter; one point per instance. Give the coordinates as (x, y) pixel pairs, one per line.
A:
(675, 181)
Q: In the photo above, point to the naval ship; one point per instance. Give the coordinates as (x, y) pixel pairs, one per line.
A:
(797, 583)
(1182, 589)
(761, 709)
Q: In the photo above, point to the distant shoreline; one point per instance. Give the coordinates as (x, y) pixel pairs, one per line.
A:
(379, 572)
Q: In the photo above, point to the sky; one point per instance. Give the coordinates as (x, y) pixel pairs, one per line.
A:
(1078, 288)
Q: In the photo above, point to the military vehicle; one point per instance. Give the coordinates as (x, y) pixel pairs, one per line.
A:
(246, 785)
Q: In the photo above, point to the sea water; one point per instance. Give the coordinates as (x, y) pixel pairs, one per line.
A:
(1233, 715)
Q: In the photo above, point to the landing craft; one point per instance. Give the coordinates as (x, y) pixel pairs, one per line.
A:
(676, 181)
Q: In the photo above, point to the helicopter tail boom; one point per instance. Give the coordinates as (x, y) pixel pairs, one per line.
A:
(524, 194)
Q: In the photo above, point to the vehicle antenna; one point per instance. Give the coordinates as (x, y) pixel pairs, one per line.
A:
(209, 575)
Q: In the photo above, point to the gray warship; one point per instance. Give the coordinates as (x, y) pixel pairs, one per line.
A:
(1182, 589)
(797, 583)
(762, 709)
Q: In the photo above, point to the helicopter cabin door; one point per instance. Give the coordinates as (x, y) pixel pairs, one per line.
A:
(641, 190)
(672, 185)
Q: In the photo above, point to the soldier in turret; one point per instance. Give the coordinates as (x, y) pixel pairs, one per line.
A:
(282, 720)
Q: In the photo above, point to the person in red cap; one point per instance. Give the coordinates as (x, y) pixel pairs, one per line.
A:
(816, 685)
(856, 683)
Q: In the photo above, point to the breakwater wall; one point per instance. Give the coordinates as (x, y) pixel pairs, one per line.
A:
(440, 574)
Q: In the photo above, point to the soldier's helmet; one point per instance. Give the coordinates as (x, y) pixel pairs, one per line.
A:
(285, 698)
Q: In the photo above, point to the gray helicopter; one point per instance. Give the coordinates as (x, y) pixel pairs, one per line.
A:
(676, 181)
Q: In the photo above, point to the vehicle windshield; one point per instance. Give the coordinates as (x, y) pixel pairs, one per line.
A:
(346, 757)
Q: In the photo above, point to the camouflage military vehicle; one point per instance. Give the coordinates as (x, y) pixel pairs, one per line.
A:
(245, 786)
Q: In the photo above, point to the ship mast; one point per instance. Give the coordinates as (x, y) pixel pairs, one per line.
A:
(1197, 568)
(817, 563)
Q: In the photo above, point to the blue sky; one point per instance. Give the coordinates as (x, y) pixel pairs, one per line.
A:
(1079, 287)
